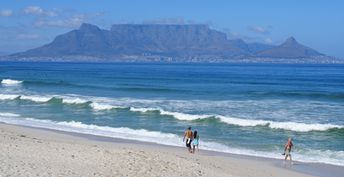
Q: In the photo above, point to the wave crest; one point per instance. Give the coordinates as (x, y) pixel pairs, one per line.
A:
(101, 106)
(9, 82)
(143, 110)
(291, 126)
(98, 105)
(7, 114)
(72, 100)
(8, 96)
(36, 98)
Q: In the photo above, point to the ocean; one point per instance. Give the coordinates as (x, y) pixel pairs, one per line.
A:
(248, 109)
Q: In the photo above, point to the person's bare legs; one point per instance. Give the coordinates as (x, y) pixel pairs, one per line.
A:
(291, 161)
(190, 148)
(285, 161)
(193, 149)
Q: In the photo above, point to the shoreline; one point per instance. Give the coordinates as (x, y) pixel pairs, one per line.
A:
(299, 168)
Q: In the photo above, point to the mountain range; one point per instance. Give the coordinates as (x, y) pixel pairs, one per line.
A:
(160, 42)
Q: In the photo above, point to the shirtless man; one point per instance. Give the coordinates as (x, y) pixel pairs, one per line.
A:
(188, 137)
(287, 149)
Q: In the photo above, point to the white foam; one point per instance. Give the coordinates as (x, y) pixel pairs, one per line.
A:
(106, 104)
(293, 126)
(177, 115)
(9, 82)
(183, 116)
(102, 106)
(302, 127)
(7, 114)
(122, 132)
(241, 122)
(36, 98)
(8, 96)
(319, 156)
(45, 98)
(78, 127)
(330, 157)
(143, 110)
(70, 100)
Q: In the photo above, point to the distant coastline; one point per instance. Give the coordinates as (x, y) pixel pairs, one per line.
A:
(167, 44)
(167, 60)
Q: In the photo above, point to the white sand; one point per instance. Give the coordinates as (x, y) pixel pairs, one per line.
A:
(36, 152)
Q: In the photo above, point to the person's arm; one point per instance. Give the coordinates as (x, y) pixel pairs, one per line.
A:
(285, 146)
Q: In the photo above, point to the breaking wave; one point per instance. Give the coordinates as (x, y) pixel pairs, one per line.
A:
(10, 82)
(243, 122)
(292, 126)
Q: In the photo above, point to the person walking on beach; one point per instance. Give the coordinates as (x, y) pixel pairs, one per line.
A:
(188, 136)
(287, 149)
(195, 141)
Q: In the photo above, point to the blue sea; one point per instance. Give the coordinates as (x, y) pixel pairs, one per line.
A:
(246, 109)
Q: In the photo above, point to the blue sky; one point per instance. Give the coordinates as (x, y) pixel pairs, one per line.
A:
(319, 24)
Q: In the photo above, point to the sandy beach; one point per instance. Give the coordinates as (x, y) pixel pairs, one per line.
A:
(36, 152)
(129, 88)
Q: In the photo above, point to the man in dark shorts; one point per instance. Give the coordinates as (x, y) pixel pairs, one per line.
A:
(188, 137)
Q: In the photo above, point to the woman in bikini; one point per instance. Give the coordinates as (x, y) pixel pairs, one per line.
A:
(287, 149)
(195, 141)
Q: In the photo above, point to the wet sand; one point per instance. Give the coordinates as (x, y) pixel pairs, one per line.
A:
(38, 152)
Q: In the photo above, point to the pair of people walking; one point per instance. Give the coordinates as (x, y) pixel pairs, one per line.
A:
(191, 140)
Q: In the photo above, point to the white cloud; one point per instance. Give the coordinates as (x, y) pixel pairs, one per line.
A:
(6, 12)
(36, 10)
(166, 21)
(74, 21)
(268, 40)
(66, 20)
(173, 21)
(236, 35)
(250, 39)
(259, 29)
(28, 36)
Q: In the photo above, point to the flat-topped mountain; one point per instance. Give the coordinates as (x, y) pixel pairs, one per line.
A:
(157, 42)
(129, 39)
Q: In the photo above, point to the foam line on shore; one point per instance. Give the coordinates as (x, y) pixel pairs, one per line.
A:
(330, 157)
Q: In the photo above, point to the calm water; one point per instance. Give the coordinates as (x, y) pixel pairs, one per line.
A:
(242, 109)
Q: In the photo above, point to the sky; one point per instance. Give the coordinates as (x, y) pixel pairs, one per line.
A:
(319, 24)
